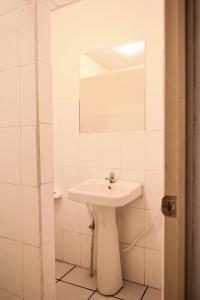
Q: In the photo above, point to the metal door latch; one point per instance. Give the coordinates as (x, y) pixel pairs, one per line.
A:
(169, 206)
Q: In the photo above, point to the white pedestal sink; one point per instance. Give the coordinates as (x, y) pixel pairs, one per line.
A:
(105, 200)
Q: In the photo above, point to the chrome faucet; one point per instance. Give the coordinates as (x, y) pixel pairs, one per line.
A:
(111, 178)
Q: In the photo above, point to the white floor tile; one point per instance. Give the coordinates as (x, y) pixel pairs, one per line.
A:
(152, 294)
(62, 269)
(68, 291)
(97, 296)
(81, 277)
(131, 291)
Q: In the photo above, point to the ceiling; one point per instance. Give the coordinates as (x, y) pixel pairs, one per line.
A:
(119, 57)
(57, 3)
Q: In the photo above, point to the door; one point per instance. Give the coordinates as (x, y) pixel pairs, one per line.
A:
(174, 246)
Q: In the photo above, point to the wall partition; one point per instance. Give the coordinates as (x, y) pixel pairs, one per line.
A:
(26, 173)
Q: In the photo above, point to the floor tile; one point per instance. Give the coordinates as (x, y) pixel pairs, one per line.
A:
(97, 296)
(152, 294)
(81, 277)
(62, 269)
(66, 291)
(131, 291)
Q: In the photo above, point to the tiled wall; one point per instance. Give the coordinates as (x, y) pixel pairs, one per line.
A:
(26, 177)
(136, 155)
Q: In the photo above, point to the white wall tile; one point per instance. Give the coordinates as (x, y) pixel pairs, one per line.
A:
(58, 213)
(133, 264)
(70, 155)
(10, 209)
(103, 173)
(85, 245)
(28, 95)
(70, 177)
(9, 95)
(27, 47)
(58, 244)
(45, 93)
(70, 215)
(9, 41)
(10, 155)
(154, 238)
(130, 223)
(132, 150)
(88, 173)
(32, 273)
(153, 268)
(154, 65)
(89, 150)
(110, 150)
(11, 266)
(30, 216)
(153, 189)
(47, 206)
(7, 6)
(46, 153)
(69, 117)
(48, 253)
(154, 150)
(28, 156)
(43, 19)
(133, 175)
(85, 219)
(154, 110)
(71, 247)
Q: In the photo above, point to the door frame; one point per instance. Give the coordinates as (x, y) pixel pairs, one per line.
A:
(175, 148)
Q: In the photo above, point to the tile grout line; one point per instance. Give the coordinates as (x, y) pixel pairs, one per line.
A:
(91, 295)
(59, 279)
(80, 286)
(144, 293)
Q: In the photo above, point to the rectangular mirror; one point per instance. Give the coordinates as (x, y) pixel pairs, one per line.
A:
(112, 89)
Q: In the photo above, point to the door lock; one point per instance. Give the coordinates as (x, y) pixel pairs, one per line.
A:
(169, 208)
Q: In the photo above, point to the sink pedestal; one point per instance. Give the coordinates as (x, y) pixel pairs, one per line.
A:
(109, 275)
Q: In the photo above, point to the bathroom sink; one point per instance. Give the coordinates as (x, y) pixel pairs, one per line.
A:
(105, 196)
(101, 193)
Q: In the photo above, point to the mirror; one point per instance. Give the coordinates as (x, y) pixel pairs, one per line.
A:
(112, 89)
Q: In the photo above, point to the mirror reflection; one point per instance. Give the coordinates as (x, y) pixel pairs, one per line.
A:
(112, 89)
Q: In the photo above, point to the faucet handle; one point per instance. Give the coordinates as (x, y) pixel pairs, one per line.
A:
(112, 175)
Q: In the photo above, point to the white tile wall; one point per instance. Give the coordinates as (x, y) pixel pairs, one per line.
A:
(9, 95)
(132, 150)
(46, 153)
(10, 155)
(71, 247)
(153, 268)
(21, 207)
(133, 264)
(10, 209)
(28, 154)
(45, 93)
(11, 266)
(9, 58)
(28, 95)
(32, 274)
(27, 31)
(30, 216)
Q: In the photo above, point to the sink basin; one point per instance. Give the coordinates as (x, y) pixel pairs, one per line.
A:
(105, 197)
(96, 192)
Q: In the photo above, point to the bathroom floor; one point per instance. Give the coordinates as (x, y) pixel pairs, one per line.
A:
(74, 283)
